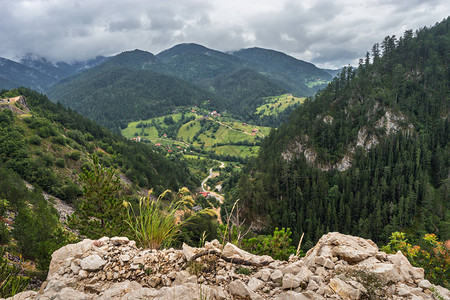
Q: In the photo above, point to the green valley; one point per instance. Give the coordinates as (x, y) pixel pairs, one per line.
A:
(195, 130)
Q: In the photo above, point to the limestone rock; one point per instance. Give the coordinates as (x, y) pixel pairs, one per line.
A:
(255, 284)
(291, 295)
(188, 251)
(240, 289)
(404, 268)
(92, 263)
(345, 247)
(113, 268)
(424, 284)
(119, 240)
(276, 276)
(290, 282)
(71, 250)
(343, 289)
(71, 294)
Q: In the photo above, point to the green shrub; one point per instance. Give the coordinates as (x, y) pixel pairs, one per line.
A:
(74, 155)
(38, 231)
(10, 281)
(4, 232)
(244, 271)
(60, 140)
(60, 163)
(35, 140)
(277, 245)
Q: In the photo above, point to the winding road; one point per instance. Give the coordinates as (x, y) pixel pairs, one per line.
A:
(214, 194)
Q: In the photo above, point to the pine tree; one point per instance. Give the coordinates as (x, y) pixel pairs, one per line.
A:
(101, 211)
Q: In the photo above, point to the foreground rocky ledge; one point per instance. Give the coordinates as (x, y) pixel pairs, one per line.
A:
(338, 267)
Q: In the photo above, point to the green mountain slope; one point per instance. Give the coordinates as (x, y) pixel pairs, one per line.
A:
(15, 74)
(195, 63)
(245, 89)
(48, 145)
(303, 78)
(120, 91)
(369, 155)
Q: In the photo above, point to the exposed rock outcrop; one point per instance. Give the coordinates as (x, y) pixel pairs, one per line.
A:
(338, 267)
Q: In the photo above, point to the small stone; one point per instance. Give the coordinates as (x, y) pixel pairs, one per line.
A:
(424, 284)
(265, 274)
(68, 293)
(83, 274)
(92, 263)
(240, 289)
(403, 292)
(124, 257)
(138, 260)
(276, 276)
(109, 275)
(75, 268)
(255, 284)
(291, 295)
(119, 240)
(290, 282)
(312, 286)
(188, 251)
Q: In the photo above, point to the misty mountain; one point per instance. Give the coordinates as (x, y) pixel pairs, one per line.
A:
(284, 68)
(122, 90)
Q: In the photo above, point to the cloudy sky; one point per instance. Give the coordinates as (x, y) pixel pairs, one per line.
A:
(329, 33)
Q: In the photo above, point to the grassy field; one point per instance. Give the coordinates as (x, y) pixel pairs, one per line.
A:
(276, 104)
(313, 83)
(205, 133)
(242, 151)
(150, 132)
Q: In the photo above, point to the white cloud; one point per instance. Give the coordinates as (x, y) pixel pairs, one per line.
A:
(328, 33)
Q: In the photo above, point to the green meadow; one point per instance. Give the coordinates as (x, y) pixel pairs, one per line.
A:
(276, 104)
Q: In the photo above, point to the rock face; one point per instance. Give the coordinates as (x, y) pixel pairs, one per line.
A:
(338, 267)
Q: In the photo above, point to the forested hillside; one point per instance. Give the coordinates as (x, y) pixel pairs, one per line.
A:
(244, 89)
(302, 78)
(116, 93)
(369, 155)
(49, 145)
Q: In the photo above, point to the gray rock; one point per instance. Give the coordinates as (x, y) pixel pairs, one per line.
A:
(27, 295)
(403, 292)
(343, 289)
(93, 263)
(188, 251)
(255, 284)
(405, 270)
(265, 274)
(304, 275)
(71, 294)
(240, 289)
(60, 256)
(119, 289)
(291, 295)
(312, 286)
(276, 276)
(424, 284)
(290, 282)
(125, 257)
(119, 240)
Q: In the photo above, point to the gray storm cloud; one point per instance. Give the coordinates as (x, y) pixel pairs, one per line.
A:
(327, 33)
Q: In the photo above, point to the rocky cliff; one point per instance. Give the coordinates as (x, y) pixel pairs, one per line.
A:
(338, 267)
